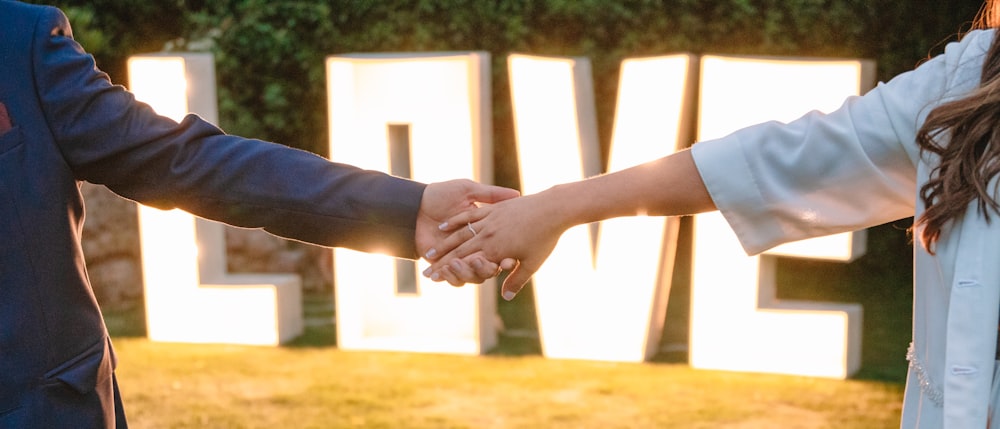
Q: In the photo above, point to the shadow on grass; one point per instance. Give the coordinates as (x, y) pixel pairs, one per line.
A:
(315, 337)
(126, 322)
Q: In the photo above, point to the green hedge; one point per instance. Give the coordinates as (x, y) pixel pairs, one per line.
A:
(270, 53)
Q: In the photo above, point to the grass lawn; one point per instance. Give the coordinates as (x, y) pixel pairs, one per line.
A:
(312, 384)
(216, 386)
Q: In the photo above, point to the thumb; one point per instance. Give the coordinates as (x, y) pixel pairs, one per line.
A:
(516, 280)
(493, 194)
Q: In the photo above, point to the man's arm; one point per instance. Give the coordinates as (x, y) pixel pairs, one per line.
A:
(108, 137)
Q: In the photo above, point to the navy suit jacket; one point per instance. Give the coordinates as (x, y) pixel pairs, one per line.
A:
(69, 124)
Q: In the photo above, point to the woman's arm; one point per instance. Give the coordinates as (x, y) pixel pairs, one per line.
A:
(526, 229)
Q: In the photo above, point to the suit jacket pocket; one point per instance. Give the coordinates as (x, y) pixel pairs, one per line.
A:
(10, 140)
(84, 371)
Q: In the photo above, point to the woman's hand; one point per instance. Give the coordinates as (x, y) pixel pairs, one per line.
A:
(520, 233)
(443, 200)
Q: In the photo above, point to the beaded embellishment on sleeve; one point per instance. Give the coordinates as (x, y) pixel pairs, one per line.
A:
(927, 386)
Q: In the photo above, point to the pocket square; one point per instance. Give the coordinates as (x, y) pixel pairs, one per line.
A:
(5, 124)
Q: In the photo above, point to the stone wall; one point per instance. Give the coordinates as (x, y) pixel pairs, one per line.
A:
(111, 246)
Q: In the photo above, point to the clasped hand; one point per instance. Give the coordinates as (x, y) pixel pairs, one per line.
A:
(520, 233)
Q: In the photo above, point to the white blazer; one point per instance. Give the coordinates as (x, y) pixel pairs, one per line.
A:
(860, 166)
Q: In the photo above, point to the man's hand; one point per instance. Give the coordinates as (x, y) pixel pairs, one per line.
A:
(520, 233)
(440, 202)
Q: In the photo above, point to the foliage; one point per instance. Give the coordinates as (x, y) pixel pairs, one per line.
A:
(270, 57)
(270, 53)
(113, 30)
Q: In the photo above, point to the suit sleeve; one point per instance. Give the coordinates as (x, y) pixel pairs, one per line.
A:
(109, 138)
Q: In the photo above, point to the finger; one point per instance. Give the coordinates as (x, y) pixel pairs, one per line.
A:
(446, 274)
(508, 264)
(463, 218)
(451, 243)
(463, 272)
(513, 284)
(516, 280)
(492, 194)
(461, 250)
(484, 269)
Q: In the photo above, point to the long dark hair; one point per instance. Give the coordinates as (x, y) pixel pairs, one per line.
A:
(970, 155)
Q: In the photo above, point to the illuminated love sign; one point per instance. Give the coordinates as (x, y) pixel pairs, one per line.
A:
(426, 117)
(737, 322)
(603, 302)
(189, 295)
(602, 294)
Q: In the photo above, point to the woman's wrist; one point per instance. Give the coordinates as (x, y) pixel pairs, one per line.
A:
(572, 204)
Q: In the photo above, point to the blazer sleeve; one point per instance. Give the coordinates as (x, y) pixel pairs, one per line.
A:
(853, 168)
(108, 137)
